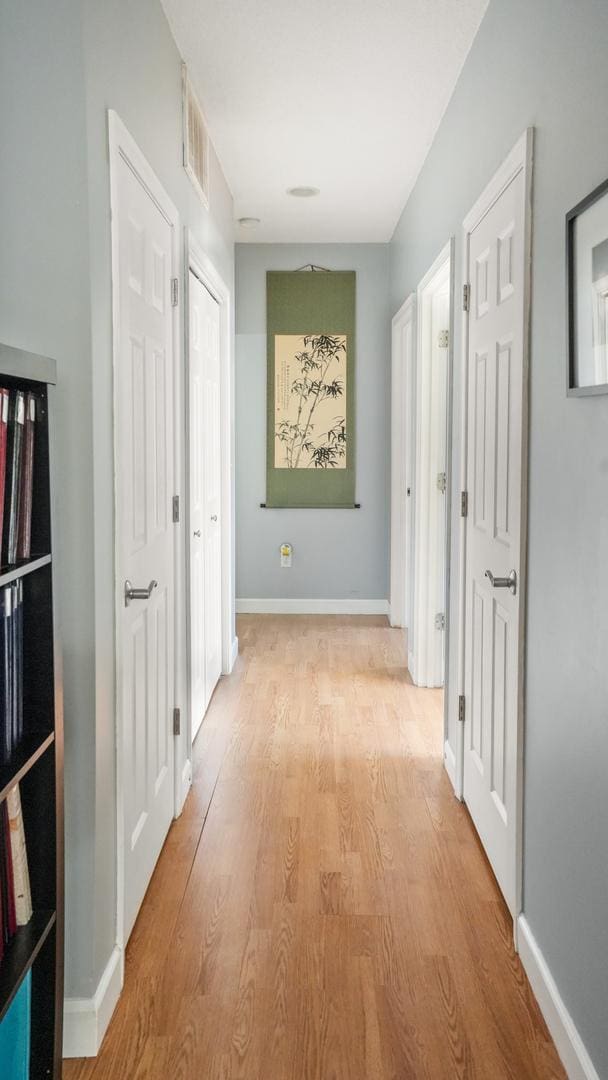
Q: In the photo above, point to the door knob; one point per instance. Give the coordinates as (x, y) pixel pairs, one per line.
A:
(214, 517)
(197, 532)
(509, 582)
(138, 594)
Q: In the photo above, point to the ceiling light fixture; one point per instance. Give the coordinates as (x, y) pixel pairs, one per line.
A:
(303, 192)
(249, 222)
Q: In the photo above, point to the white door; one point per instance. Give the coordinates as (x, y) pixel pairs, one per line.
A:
(205, 499)
(426, 633)
(496, 402)
(402, 463)
(144, 382)
(437, 499)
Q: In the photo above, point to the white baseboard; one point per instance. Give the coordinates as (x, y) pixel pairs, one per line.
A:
(570, 1046)
(234, 652)
(185, 785)
(248, 606)
(449, 760)
(411, 665)
(85, 1020)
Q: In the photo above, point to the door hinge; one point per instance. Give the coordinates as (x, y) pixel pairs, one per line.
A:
(177, 722)
(174, 291)
(443, 339)
(461, 708)
(175, 509)
(440, 621)
(466, 297)
(464, 503)
(442, 482)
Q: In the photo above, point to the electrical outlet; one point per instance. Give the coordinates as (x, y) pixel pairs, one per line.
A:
(286, 554)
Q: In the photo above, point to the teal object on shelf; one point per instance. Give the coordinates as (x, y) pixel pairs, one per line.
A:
(15, 1034)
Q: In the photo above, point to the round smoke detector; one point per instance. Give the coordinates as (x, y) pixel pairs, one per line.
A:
(249, 222)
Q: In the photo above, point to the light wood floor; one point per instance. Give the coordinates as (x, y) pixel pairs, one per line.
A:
(333, 916)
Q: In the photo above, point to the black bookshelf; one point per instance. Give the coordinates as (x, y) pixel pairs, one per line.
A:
(37, 761)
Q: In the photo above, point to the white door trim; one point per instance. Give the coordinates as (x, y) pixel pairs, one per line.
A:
(123, 146)
(424, 657)
(402, 462)
(520, 158)
(204, 269)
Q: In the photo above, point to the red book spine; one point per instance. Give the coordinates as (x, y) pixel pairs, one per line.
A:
(3, 442)
(24, 545)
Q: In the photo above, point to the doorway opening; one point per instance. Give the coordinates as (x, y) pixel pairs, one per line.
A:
(421, 395)
(212, 646)
(430, 600)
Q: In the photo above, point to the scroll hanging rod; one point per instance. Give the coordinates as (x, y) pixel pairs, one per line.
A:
(313, 268)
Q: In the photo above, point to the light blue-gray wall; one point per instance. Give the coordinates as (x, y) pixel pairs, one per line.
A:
(62, 65)
(543, 63)
(337, 554)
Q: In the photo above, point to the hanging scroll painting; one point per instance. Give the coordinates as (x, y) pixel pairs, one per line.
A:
(311, 353)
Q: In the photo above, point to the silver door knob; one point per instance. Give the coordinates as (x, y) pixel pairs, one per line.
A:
(138, 594)
(509, 582)
(197, 532)
(214, 517)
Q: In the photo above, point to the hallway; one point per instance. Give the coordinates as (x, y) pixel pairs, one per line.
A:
(322, 910)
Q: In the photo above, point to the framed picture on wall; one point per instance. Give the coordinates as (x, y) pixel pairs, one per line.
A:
(587, 294)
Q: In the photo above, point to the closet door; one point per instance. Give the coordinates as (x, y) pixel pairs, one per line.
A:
(205, 492)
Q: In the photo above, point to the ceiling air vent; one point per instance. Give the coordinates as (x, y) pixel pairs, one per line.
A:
(196, 140)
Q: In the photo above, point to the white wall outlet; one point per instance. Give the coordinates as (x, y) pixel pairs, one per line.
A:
(286, 554)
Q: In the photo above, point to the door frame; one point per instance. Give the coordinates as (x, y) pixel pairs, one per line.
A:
(402, 464)
(122, 146)
(423, 648)
(199, 263)
(519, 159)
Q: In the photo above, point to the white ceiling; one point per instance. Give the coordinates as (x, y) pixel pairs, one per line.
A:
(343, 95)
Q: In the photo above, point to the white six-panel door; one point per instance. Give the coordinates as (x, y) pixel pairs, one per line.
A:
(205, 500)
(145, 377)
(426, 640)
(496, 402)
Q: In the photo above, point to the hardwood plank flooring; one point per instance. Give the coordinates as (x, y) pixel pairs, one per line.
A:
(323, 909)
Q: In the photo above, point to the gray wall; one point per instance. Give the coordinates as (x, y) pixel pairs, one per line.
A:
(336, 553)
(544, 64)
(61, 66)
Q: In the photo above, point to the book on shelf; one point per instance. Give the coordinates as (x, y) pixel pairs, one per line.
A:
(21, 874)
(11, 669)
(15, 891)
(7, 895)
(18, 417)
(17, 662)
(4, 407)
(24, 530)
(6, 680)
(14, 462)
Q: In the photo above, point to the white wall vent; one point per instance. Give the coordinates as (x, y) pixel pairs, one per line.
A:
(196, 140)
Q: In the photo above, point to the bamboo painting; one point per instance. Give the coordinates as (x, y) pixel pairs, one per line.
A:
(310, 383)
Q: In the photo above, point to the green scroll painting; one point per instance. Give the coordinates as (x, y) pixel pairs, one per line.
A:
(310, 452)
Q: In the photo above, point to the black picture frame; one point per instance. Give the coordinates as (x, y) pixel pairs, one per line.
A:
(572, 388)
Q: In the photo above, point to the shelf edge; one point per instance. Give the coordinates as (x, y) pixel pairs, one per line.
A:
(42, 936)
(27, 765)
(27, 568)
